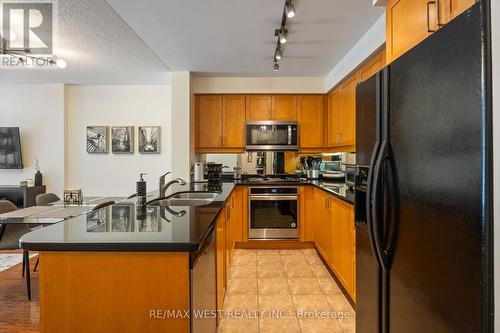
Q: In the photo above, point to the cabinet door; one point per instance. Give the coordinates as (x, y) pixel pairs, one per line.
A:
(238, 222)
(208, 120)
(408, 22)
(459, 6)
(348, 109)
(341, 238)
(259, 107)
(311, 121)
(375, 64)
(228, 229)
(284, 107)
(322, 236)
(334, 119)
(234, 121)
(220, 244)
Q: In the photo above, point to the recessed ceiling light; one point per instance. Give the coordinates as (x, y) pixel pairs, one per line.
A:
(290, 9)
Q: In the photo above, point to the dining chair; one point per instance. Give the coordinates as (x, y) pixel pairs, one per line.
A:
(9, 239)
(45, 199)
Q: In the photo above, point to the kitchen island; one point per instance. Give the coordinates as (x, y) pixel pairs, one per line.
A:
(122, 268)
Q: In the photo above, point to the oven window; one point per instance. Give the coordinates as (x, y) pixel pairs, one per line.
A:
(265, 214)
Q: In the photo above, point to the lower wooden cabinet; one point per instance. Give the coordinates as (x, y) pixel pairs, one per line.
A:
(334, 235)
(220, 258)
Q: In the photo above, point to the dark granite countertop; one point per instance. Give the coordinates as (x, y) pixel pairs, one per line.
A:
(125, 227)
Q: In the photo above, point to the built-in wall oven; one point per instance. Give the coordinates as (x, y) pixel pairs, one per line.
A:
(273, 212)
(271, 135)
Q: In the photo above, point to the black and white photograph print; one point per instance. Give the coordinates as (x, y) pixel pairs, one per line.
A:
(97, 220)
(149, 139)
(122, 139)
(122, 218)
(97, 139)
(150, 222)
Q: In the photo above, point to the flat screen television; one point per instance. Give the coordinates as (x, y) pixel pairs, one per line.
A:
(10, 148)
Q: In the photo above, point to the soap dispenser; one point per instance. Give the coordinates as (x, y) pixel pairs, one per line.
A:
(140, 189)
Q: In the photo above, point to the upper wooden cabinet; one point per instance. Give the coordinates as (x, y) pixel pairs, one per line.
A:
(271, 107)
(284, 107)
(334, 119)
(348, 111)
(234, 121)
(311, 113)
(372, 66)
(259, 107)
(411, 21)
(220, 122)
(209, 115)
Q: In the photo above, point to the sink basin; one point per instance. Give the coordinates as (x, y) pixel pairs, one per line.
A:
(187, 199)
(195, 195)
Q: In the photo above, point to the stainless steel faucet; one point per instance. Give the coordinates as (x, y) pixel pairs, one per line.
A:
(162, 183)
(164, 188)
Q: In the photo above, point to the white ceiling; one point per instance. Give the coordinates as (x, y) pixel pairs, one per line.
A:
(98, 47)
(236, 37)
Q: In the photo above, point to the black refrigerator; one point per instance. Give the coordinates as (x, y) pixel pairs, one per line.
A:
(423, 202)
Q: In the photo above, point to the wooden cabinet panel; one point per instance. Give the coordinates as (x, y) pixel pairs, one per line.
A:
(407, 25)
(284, 107)
(459, 6)
(208, 114)
(322, 235)
(311, 115)
(237, 215)
(307, 213)
(228, 237)
(341, 242)
(220, 257)
(375, 64)
(334, 119)
(259, 107)
(234, 121)
(348, 110)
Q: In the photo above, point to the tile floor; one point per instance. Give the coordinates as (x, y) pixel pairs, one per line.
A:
(283, 291)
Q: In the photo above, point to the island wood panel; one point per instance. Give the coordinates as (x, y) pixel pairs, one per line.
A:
(112, 291)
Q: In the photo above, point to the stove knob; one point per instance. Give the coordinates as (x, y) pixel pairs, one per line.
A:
(293, 225)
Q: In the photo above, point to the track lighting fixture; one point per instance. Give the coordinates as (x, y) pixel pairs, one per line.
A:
(281, 33)
(289, 9)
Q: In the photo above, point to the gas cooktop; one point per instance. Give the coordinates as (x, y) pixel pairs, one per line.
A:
(273, 179)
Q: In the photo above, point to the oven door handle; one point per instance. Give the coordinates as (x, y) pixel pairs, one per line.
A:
(273, 197)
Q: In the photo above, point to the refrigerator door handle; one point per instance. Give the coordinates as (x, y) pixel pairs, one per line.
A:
(369, 189)
(376, 227)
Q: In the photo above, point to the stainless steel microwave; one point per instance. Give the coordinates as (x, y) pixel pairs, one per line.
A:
(272, 135)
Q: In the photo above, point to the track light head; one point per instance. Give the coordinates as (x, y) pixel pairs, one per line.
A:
(282, 36)
(278, 54)
(276, 66)
(290, 9)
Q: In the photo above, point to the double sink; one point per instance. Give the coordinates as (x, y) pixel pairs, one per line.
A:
(186, 199)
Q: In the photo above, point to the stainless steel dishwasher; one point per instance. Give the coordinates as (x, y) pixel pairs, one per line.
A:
(203, 288)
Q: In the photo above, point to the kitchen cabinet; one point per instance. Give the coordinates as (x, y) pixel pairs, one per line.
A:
(342, 224)
(372, 66)
(334, 119)
(220, 259)
(234, 121)
(348, 111)
(259, 107)
(208, 113)
(284, 107)
(271, 107)
(307, 213)
(408, 22)
(322, 236)
(228, 236)
(311, 113)
(238, 221)
(220, 122)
